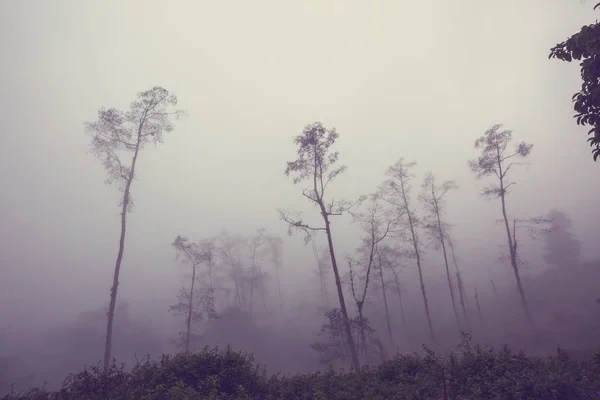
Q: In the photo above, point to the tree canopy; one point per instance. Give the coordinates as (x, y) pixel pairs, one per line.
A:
(585, 46)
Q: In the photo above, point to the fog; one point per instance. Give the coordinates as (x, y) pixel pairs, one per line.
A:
(420, 80)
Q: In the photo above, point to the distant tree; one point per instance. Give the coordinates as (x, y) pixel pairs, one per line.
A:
(460, 284)
(333, 345)
(583, 46)
(562, 247)
(231, 249)
(193, 254)
(376, 222)
(396, 191)
(432, 199)
(317, 164)
(255, 242)
(496, 161)
(114, 134)
(535, 227)
(390, 260)
(275, 249)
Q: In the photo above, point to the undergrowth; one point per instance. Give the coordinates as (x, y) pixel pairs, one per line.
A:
(472, 372)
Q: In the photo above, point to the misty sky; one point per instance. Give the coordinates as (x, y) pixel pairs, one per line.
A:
(414, 79)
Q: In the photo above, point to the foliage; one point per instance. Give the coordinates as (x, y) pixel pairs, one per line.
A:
(585, 46)
(494, 159)
(116, 132)
(473, 372)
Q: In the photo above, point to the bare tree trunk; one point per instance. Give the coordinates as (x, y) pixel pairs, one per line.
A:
(338, 283)
(443, 243)
(385, 302)
(461, 287)
(399, 290)
(113, 290)
(190, 308)
(363, 337)
(512, 248)
(415, 244)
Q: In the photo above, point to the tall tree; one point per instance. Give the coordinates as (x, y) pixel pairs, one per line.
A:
(397, 191)
(376, 222)
(496, 160)
(116, 134)
(432, 198)
(583, 46)
(190, 253)
(563, 248)
(317, 164)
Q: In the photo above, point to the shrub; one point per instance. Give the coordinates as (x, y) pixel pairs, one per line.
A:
(474, 372)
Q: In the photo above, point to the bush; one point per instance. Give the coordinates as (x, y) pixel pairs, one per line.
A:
(474, 372)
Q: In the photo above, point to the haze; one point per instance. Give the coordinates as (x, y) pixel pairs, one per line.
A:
(415, 79)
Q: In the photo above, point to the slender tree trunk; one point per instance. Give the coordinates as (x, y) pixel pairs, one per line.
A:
(443, 243)
(385, 302)
(363, 337)
(461, 292)
(190, 309)
(513, 255)
(415, 244)
(403, 315)
(115, 285)
(461, 288)
(338, 283)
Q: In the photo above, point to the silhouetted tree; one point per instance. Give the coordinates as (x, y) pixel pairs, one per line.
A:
(114, 134)
(562, 247)
(396, 191)
(376, 222)
(193, 254)
(317, 164)
(583, 46)
(432, 198)
(495, 160)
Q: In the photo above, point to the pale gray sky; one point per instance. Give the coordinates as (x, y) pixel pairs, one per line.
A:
(414, 79)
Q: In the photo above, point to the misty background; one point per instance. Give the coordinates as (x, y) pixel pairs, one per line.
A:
(414, 79)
